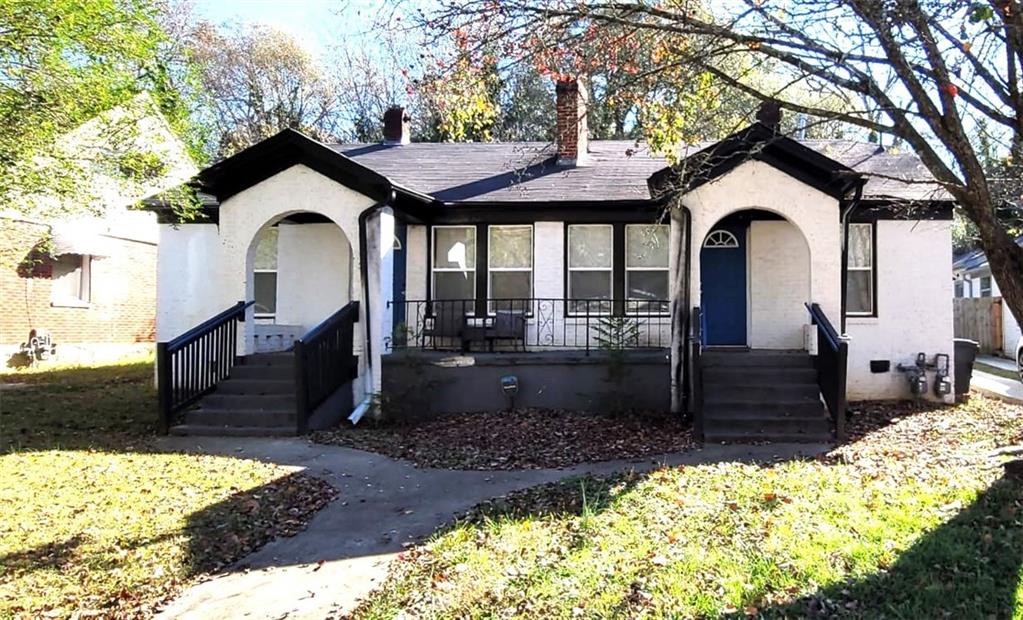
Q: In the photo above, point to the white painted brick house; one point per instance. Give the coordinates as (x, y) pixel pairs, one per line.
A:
(757, 285)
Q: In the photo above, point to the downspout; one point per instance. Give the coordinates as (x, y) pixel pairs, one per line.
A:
(845, 251)
(363, 406)
(687, 296)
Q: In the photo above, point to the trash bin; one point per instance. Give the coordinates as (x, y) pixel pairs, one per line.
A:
(965, 354)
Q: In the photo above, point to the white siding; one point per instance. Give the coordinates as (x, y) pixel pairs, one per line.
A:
(186, 279)
(313, 273)
(417, 259)
(914, 307)
(549, 260)
(779, 285)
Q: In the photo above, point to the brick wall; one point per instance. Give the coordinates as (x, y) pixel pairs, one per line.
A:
(122, 306)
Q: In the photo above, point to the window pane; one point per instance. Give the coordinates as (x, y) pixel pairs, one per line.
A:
(511, 246)
(647, 246)
(454, 285)
(265, 292)
(511, 284)
(646, 285)
(454, 248)
(266, 250)
(859, 294)
(861, 252)
(589, 285)
(66, 280)
(589, 246)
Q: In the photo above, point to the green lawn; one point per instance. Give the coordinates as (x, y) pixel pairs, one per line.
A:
(909, 521)
(97, 522)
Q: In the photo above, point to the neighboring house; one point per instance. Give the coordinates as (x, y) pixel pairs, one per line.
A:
(722, 285)
(89, 279)
(972, 279)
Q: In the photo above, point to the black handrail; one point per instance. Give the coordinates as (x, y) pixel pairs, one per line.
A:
(695, 371)
(831, 363)
(190, 365)
(324, 361)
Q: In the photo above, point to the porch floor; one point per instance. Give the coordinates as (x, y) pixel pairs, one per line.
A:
(454, 359)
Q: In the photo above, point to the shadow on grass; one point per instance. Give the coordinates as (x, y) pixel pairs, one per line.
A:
(105, 407)
(969, 567)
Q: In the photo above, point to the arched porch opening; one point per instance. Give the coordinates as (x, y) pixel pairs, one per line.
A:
(755, 277)
(299, 271)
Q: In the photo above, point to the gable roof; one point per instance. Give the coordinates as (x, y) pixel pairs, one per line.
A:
(761, 143)
(279, 152)
(975, 259)
(617, 170)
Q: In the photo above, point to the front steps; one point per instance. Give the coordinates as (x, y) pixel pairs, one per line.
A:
(754, 396)
(256, 400)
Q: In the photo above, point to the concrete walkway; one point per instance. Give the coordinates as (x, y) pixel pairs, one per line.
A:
(384, 506)
(997, 362)
(1002, 388)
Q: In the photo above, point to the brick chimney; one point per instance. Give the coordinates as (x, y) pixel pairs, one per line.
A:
(573, 133)
(770, 114)
(396, 126)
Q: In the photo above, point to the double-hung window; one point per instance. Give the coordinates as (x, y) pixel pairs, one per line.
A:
(454, 263)
(860, 293)
(646, 268)
(264, 275)
(510, 267)
(985, 286)
(590, 268)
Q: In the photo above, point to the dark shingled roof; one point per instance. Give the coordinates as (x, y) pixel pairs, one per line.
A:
(969, 261)
(617, 170)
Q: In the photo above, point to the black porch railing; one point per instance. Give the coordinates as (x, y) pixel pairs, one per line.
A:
(523, 324)
(831, 364)
(192, 364)
(324, 361)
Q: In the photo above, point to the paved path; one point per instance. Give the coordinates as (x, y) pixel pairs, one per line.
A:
(1009, 390)
(384, 504)
(997, 362)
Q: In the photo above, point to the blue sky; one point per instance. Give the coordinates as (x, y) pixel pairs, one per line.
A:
(318, 24)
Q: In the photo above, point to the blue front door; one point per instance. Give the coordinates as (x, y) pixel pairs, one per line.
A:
(723, 286)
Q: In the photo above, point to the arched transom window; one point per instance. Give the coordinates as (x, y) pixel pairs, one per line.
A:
(721, 239)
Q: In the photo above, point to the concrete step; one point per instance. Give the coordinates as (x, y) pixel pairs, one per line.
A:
(232, 431)
(716, 392)
(249, 402)
(255, 387)
(755, 437)
(767, 411)
(771, 359)
(819, 426)
(277, 372)
(760, 375)
(269, 359)
(241, 418)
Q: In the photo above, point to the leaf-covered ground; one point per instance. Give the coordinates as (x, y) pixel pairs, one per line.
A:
(520, 439)
(96, 523)
(912, 519)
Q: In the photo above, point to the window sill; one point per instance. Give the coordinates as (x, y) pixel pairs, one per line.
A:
(861, 320)
(70, 303)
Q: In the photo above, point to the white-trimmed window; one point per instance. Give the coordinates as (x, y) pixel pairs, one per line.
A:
(985, 286)
(71, 281)
(646, 268)
(590, 268)
(510, 267)
(454, 263)
(264, 275)
(860, 294)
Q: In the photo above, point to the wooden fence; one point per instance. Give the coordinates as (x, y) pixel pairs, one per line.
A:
(980, 319)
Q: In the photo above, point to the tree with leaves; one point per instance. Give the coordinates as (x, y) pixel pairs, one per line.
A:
(64, 63)
(940, 77)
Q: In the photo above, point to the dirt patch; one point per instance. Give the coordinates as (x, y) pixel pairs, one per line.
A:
(521, 439)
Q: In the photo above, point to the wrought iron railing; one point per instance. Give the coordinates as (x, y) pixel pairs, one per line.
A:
(523, 324)
(831, 364)
(192, 364)
(324, 361)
